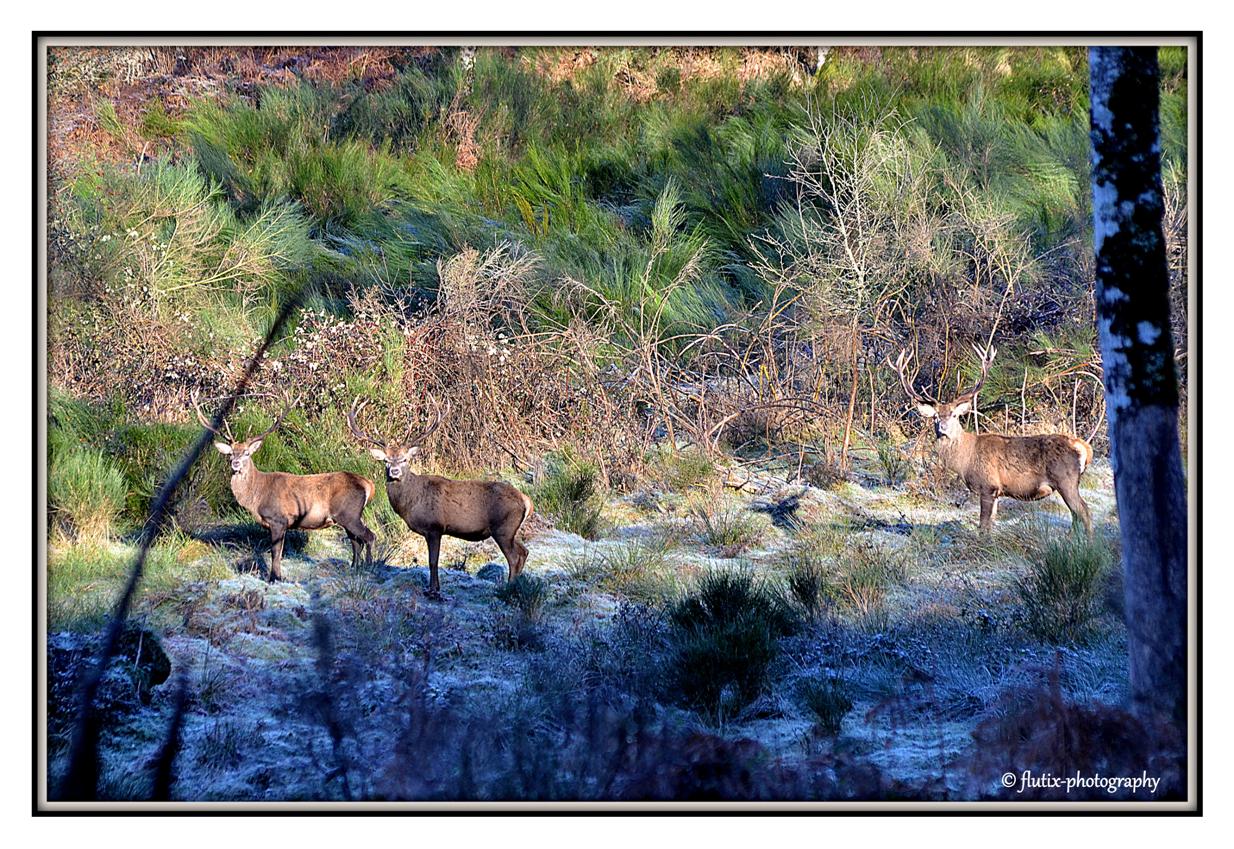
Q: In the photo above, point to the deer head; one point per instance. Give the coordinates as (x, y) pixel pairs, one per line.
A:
(240, 451)
(946, 416)
(396, 455)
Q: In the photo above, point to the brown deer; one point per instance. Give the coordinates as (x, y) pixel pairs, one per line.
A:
(283, 502)
(1027, 468)
(434, 506)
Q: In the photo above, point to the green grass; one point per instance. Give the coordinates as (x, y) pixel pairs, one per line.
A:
(865, 573)
(827, 699)
(85, 493)
(728, 525)
(1061, 592)
(681, 471)
(527, 594)
(725, 640)
(84, 579)
(572, 494)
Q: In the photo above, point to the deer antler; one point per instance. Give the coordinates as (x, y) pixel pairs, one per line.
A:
(277, 421)
(356, 406)
(438, 416)
(986, 355)
(205, 422)
(901, 367)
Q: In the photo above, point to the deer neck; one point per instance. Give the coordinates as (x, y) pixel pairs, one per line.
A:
(407, 485)
(248, 485)
(957, 452)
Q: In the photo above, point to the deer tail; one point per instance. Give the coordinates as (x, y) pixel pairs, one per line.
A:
(1085, 452)
(528, 508)
(369, 490)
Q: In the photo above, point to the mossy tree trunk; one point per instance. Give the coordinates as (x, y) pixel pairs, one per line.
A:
(1133, 319)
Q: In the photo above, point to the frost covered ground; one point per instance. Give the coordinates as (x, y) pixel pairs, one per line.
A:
(320, 686)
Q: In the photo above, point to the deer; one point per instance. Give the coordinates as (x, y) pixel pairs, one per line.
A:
(993, 466)
(435, 506)
(281, 502)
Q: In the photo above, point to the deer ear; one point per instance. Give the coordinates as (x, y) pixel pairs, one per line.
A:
(412, 451)
(378, 454)
(223, 447)
(252, 449)
(962, 407)
(926, 411)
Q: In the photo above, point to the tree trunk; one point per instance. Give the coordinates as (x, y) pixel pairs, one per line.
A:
(1133, 320)
(852, 397)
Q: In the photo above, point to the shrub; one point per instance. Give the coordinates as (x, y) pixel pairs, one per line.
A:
(1061, 591)
(526, 593)
(637, 571)
(826, 698)
(85, 492)
(867, 570)
(894, 464)
(684, 470)
(572, 495)
(807, 582)
(725, 641)
(728, 526)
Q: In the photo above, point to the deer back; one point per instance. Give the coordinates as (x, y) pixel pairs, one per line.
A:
(1022, 466)
(302, 498)
(456, 507)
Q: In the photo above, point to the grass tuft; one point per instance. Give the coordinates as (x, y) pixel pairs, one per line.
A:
(1062, 590)
(827, 699)
(527, 594)
(725, 641)
(728, 526)
(572, 494)
(85, 493)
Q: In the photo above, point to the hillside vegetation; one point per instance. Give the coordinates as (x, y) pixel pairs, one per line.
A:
(656, 289)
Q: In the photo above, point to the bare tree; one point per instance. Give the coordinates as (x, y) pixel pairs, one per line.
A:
(856, 182)
(1133, 321)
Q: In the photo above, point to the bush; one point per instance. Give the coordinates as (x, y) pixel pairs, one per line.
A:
(725, 641)
(728, 526)
(894, 464)
(526, 593)
(1061, 592)
(572, 495)
(867, 570)
(826, 698)
(85, 492)
(684, 470)
(807, 582)
(637, 571)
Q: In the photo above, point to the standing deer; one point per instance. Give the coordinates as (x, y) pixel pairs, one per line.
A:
(1027, 468)
(283, 502)
(434, 506)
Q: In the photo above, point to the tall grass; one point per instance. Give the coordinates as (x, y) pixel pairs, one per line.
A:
(1062, 589)
(725, 640)
(85, 493)
(572, 494)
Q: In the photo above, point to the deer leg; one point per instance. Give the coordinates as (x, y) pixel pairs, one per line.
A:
(360, 535)
(522, 557)
(515, 555)
(1079, 509)
(434, 550)
(989, 505)
(369, 538)
(278, 534)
